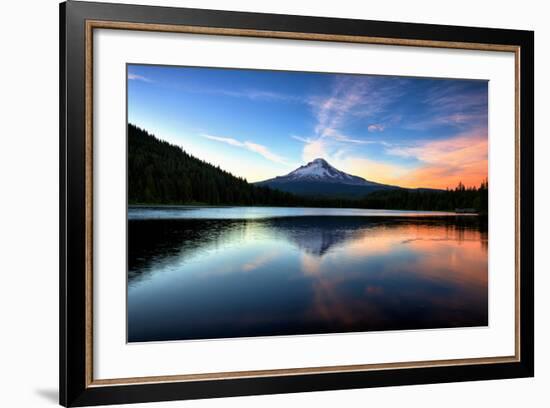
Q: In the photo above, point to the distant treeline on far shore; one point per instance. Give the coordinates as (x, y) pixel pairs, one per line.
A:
(161, 173)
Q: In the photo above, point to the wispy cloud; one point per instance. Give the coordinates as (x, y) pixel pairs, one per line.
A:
(333, 146)
(458, 120)
(300, 139)
(451, 105)
(455, 95)
(257, 95)
(376, 127)
(136, 77)
(264, 151)
(251, 146)
(228, 140)
(350, 98)
(253, 94)
(331, 110)
(340, 137)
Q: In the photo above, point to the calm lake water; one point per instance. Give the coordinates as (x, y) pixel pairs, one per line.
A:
(219, 272)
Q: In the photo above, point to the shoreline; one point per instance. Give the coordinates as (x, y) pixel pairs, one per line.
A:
(442, 213)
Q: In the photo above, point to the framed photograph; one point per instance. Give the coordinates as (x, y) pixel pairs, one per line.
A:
(256, 203)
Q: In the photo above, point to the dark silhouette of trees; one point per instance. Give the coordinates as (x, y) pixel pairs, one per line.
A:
(430, 200)
(161, 173)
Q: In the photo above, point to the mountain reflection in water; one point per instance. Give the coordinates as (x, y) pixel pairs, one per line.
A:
(220, 278)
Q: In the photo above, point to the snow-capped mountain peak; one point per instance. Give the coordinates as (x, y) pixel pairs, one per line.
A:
(319, 179)
(321, 170)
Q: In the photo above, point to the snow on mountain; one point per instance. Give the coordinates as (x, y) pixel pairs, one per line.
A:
(320, 170)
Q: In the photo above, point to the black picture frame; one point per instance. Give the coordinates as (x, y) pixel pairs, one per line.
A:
(75, 387)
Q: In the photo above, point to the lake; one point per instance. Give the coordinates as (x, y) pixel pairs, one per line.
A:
(222, 272)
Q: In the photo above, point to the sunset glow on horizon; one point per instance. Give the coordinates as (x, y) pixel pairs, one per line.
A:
(408, 132)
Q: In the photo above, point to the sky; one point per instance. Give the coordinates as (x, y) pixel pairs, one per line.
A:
(256, 124)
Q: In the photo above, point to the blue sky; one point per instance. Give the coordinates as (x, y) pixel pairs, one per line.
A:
(414, 132)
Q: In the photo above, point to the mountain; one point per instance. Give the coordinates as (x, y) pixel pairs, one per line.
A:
(320, 170)
(318, 178)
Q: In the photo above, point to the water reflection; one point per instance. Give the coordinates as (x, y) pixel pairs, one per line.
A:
(202, 278)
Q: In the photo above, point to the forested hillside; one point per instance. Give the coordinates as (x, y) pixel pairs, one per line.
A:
(161, 173)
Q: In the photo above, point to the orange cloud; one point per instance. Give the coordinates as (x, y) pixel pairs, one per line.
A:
(448, 162)
(444, 163)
